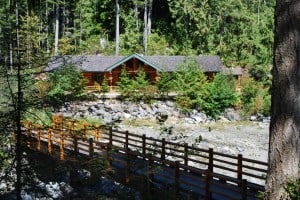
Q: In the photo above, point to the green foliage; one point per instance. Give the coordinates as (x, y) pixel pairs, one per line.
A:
(125, 83)
(255, 97)
(140, 80)
(165, 82)
(136, 88)
(65, 46)
(293, 190)
(39, 116)
(190, 84)
(67, 84)
(131, 39)
(91, 121)
(261, 74)
(221, 94)
(158, 45)
(31, 38)
(104, 85)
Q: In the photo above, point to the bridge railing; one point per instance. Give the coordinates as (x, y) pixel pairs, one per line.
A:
(247, 173)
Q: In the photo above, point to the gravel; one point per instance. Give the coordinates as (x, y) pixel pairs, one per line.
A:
(247, 138)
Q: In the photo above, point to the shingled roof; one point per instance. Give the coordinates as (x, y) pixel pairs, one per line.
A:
(97, 63)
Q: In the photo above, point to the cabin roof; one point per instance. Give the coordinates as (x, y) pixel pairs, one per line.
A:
(97, 63)
(236, 71)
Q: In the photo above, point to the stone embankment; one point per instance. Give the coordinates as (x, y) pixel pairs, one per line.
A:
(111, 111)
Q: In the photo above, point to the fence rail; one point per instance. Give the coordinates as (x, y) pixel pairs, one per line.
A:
(188, 164)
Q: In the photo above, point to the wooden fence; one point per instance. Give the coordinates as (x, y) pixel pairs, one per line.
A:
(197, 165)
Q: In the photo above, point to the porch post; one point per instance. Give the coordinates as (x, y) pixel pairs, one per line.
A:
(110, 78)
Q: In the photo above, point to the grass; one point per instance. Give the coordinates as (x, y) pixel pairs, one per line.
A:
(139, 122)
(223, 125)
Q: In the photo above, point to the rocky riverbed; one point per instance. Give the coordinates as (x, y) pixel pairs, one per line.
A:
(228, 134)
(244, 137)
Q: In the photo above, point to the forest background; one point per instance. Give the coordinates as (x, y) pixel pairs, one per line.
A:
(239, 31)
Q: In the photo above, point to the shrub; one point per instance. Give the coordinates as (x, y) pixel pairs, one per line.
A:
(221, 94)
(67, 84)
(165, 82)
(255, 97)
(104, 86)
(125, 83)
(293, 190)
(136, 88)
(190, 84)
(39, 116)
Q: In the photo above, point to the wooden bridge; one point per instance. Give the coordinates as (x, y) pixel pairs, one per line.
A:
(185, 170)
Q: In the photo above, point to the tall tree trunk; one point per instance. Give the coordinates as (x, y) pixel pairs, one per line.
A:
(117, 27)
(47, 28)
(136, 15)
(81, 29)
(18, 109)
(64, 18)
(285, 109)
(11, 54)
(56, 30)
(145, 34)
(149, 21)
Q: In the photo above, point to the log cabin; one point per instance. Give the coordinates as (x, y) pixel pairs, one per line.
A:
(97, 67)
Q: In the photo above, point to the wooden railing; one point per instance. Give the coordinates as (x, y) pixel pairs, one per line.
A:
(185, 160)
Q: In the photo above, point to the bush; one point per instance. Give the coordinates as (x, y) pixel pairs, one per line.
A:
(136, 88)
(42, 117)
(165, 82)
(104, 86)
(66, 84)
(255, 97)
(293, 190)
(221, 94)
(125, 83)
(190, 84)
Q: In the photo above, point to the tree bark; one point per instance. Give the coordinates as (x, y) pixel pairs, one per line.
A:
(136, 15)
(145, 35)
(117, 27)
(18, 109)
(56, 30)
(285, 109)
(149, 21)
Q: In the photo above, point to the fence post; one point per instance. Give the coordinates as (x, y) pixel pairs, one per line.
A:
(38, 137)
(150, 175)
(240, 167)
(186, 154)
(97, 130)
(72, 126)
(127, 174)
(126, 140)
(176, 178)
(61, 146)
(163, 148)
(28, 133)
(110, 136)
(91, 147)
(108, 160)
(211, 160)
(244, 189)
(84, 129)
(144, 144)
(49, 141)
(75, 143)
(208, 175)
